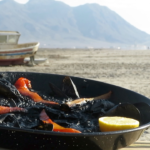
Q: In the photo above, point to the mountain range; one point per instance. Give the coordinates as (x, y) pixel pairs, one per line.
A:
(55, 24)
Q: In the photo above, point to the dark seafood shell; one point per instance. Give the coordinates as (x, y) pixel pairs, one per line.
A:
(125, 110)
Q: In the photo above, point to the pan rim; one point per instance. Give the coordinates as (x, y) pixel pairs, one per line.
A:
(15, 129)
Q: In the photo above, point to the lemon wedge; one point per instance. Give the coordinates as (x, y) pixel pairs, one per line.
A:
(117, 123)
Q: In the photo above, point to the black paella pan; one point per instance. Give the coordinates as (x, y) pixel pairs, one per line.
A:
(16, 138)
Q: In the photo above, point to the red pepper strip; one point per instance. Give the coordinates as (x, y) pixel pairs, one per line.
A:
(57, 128)
(84, 100)
(23, 85)
(4, 110)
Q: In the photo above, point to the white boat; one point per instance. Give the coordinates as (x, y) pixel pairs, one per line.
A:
(12, 53)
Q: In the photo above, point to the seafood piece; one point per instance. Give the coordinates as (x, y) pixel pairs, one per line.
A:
(23, 85)
(124, 110)
(8, 90)
(57, 91)
(57, 128)
(144, 109)
(69, 88)
(84, 100)
(4, 110)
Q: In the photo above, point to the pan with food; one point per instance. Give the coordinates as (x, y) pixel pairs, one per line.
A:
(58, 112)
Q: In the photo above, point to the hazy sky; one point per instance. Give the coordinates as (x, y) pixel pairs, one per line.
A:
(22, 1)
(136, 12)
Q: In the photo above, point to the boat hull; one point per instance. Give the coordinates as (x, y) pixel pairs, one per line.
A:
(12, 62)
(15, 54)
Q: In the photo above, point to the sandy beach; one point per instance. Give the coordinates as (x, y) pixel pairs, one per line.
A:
(126, 68)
